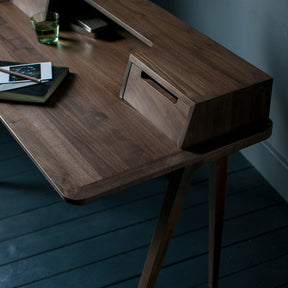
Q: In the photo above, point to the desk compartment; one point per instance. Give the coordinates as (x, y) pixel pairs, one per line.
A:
(186, 121)
(165, 110)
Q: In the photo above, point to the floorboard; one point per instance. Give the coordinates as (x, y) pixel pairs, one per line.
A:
(45, 242)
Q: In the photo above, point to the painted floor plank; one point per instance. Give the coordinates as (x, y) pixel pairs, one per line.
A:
(5, 136)
(269, 274)
(39, 219)
(23, 192)
(14, 166)
(240, 245)
(42, 271)
(54, 236)
(194, 271)
(236, 162)
(10, 150)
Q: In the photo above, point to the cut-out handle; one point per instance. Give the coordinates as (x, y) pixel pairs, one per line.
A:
(150, 81)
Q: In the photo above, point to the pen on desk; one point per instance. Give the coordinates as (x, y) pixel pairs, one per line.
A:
(20, 75)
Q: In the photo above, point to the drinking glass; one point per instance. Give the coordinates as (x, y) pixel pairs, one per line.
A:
(46, 26)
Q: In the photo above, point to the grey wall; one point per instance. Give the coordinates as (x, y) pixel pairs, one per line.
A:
(256, 30)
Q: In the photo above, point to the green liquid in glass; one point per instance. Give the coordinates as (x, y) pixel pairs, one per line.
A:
(47, 32)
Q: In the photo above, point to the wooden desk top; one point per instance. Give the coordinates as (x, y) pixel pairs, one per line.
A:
(86, 140)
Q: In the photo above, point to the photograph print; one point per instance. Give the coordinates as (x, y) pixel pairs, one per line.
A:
(33, 70)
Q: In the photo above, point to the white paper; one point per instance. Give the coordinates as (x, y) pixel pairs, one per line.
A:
(42, 70)
(10, 86)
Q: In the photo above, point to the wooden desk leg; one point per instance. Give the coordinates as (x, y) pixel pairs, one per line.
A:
(218, 181)
(171, 208)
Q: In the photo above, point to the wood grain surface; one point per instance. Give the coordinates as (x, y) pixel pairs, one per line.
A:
(226, 92)
(86, 140)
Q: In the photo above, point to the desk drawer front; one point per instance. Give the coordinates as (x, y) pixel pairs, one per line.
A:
(162, 108)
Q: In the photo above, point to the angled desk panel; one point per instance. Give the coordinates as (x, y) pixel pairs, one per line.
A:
(89, 143)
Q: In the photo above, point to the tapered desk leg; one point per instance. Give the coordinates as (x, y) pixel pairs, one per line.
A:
(180, 181)
(218, 181)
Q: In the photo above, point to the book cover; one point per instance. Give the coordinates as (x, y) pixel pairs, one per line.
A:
(38, 93)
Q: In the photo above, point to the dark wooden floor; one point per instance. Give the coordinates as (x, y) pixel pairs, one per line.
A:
(45, 242)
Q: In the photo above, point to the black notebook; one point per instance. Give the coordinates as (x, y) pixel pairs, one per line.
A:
(37, 93)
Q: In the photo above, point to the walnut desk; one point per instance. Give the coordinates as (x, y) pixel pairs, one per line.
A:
(89, 142)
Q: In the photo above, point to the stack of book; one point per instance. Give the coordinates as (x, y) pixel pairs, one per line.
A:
(34, 82)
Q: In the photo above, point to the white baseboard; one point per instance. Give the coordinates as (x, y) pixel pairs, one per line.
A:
(270, 165)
